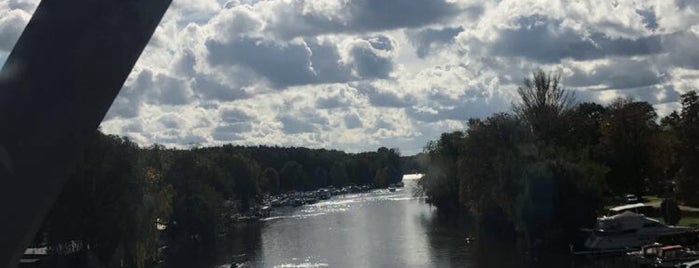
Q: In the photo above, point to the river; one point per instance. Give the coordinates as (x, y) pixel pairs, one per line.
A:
(373, 229)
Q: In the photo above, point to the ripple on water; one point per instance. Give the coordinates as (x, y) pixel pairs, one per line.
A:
(306, 263)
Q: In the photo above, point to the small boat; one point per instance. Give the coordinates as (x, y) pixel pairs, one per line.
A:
(671, 256)
(391, 189)
(324, 194)
(647, 256)
(296, 202)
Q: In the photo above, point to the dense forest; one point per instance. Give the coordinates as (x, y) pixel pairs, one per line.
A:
(539, 173)
(119, 194)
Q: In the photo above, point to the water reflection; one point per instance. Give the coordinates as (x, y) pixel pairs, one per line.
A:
(376, 229)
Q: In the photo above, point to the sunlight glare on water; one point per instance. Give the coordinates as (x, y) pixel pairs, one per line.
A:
(378, 228)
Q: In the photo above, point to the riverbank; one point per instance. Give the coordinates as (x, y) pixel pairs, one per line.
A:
(268, 202)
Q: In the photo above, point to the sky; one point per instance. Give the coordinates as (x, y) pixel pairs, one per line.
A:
(355, 75)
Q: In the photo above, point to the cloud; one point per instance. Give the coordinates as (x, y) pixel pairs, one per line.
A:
(231, 132)
(284, 64)
(427, 39)
(208, 89)
(352, 121)
(371, 58)
(12, 23)
(545, 40)
(682, 48)
(359, 74)
(294, 125)
(171, 121)
(618, 73)
(311, 18)
(385, 97)
(169, 91)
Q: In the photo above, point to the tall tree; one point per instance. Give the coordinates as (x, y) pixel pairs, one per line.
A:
(544, 104)
(688, 152)
(628, 134)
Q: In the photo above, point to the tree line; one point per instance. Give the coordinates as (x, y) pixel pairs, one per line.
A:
(119, 195)
(540, 172)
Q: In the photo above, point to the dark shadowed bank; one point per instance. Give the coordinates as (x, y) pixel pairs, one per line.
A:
(145, 207)
(536, 176)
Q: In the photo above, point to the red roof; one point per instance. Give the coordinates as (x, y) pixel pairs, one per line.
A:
(672, 247)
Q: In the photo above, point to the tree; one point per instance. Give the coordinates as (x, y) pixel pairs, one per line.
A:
(544, 104)
(381, 177)
(292, 176)
(440, 182)
(585, 122)
(245, 174)
(338, 174)
(271, 180)
(629, 131)
(110, 205)
(197, 210)
(688, 151)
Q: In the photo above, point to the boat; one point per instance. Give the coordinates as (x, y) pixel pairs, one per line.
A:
(391, 189)
(647, 255)
(671, 256)
(629, 230)
(297, 202)
(324, 194)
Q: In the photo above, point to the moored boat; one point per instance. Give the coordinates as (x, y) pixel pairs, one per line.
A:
(629, 230)
(671, 256)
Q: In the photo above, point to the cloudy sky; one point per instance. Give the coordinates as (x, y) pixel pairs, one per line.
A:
(358, 74)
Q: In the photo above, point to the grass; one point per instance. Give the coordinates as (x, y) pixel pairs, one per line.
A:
(689, 221)
(653, 199)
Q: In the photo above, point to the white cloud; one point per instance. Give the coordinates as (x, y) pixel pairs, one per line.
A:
(358, 74)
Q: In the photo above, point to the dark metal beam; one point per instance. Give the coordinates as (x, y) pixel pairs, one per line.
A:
(55, 88)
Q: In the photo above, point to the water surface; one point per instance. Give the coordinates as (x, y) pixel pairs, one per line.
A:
(374, 229)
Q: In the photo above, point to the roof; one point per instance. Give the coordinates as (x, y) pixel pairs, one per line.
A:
(631, 206)
(672, 247)
(656, 245)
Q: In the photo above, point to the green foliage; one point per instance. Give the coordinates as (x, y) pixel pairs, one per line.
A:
(545, 172)
(629, 133)
(292, 176)
(687, 131)
(270, 180)
(338, 174)
(440, 183)
(110, 205)
(120, 193)
(544, 102)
